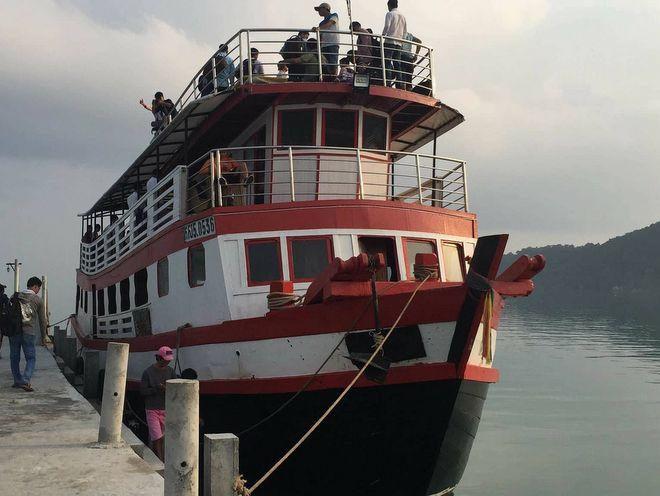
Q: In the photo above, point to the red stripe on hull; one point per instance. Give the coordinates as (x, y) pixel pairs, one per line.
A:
(339, 380)
(330, 214)
(435, 302)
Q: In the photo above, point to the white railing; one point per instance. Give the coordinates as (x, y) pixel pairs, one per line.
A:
(152, 213)
(388, 62)
(256, 175)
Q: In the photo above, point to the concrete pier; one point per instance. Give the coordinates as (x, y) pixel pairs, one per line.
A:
(46, 440)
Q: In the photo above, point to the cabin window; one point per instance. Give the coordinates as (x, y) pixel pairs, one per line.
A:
(112, 299)
(372, 245)
(163, 277)
(308, 257)
(297, 127)
(374, 132)
(77, 298)
(264, 263)
(340, 128)
(413, 247)
(100, 303)
(124, 295)
(140, 283)
(196, 266)
(452, 255)
(85, 301)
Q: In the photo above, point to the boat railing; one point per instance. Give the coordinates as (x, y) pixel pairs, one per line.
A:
(368, 54)
(153, 212)
(273, 174)
(244, 176)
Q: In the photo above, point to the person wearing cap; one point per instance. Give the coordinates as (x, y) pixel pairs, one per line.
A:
(329, 37)
(152, 388)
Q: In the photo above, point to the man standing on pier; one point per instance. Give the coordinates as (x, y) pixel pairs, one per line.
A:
(152, 388)
(33, 323)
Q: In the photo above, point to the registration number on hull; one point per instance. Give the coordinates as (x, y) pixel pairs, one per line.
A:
(199, 229)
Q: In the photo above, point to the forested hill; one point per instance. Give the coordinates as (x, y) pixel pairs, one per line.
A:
(622, 274)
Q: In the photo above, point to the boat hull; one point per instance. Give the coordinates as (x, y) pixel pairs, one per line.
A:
(409, 439)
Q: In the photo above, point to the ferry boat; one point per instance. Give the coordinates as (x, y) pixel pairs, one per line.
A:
(272, 233)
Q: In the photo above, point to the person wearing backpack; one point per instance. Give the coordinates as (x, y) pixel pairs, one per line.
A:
(4, 314)
(33, 324)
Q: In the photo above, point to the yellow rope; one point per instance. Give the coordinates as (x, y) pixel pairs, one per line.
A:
(239, 486)
(340, 397)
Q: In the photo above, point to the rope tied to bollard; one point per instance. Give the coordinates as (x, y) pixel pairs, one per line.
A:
(336, 402)
(240, 486)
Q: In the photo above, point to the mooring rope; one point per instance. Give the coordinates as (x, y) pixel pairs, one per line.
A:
(337, 401)
(281, 301)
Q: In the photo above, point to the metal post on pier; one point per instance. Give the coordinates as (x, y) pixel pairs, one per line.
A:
(16, 267)
(182, 427)
(114, 388)
(220, 464)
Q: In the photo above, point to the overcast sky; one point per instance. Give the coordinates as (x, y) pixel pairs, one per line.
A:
(561, 102)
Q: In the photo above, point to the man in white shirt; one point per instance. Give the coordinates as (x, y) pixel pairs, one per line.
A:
(329, 37)
(395, 27)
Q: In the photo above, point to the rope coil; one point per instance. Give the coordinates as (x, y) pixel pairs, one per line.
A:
(280, 301)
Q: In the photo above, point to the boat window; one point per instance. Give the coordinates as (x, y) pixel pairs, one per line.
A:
(374, 132)
(85, 301)
(297, 127)
(413, 247)
(112, 299)
(77, 298)
(124, 296)
(264, 263)
(339, 128)
(196, 266)
(309, 256)
(163, 276)
(452, 254)
(372, 245)
(140, 283)
(100, 303)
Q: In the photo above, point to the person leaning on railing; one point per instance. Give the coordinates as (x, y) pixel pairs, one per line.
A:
(224, 68)
(234, 179)
(292, 48)
(329, 37)
(408, 59)
(363, 51)
(162, 110)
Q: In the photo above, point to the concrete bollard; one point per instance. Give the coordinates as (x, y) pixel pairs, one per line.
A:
(58, 338)
(181, 438)
(114, 388)
(220, 464)
(91, 359)
(69, 351)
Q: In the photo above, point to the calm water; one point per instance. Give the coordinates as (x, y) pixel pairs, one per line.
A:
(576, 412)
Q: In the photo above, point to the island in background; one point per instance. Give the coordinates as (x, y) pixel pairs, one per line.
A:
(621, 276)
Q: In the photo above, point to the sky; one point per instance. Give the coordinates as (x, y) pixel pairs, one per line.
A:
(560, 97)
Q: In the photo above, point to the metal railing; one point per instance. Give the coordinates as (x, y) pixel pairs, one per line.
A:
(152, 213)
(388, 61)
(243, 176)
(271, 174)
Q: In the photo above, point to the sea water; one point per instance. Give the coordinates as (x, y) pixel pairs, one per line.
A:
(576, 411)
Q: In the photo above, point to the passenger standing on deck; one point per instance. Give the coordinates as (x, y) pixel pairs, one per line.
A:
(152, 388)
(329, 37)
(33, 320)
(395, 27)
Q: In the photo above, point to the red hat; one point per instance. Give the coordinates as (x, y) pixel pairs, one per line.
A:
(166, 353)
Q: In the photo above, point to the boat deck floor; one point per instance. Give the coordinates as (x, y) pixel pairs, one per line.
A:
(47, 437)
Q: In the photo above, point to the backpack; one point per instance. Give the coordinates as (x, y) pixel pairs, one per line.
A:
(11, 315)
(292, 47)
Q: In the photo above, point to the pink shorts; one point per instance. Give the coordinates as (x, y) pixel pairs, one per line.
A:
(156, 423)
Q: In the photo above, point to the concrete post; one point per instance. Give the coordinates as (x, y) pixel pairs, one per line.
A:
(69, 351)
(58, 335)
(181, 437)
(92, 363)
(220, 464)
(114, 387)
